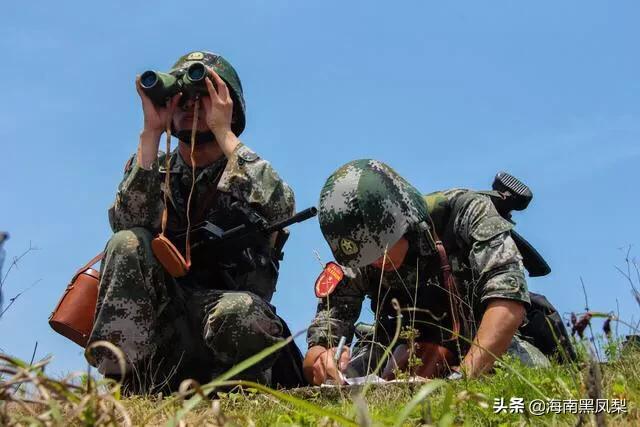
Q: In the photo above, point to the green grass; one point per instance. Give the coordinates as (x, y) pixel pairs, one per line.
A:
(464, 402)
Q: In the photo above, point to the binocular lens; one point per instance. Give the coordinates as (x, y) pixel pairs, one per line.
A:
(148, 79)
(196, 72)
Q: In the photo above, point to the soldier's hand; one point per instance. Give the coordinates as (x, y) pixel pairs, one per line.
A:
(325, 367)
(156, 119)
(218, 105)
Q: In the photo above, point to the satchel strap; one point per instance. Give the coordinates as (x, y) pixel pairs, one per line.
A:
(89, 264)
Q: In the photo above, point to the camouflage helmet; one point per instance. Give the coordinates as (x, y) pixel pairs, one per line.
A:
(227, 73)
(366, 207)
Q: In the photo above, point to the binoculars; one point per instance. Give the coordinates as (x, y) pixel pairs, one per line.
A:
(160, 87)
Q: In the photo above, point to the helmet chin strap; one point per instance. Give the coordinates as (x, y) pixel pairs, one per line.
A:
(423, 238)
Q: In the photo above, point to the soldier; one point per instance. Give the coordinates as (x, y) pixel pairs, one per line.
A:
(392, 243)
(193, 326)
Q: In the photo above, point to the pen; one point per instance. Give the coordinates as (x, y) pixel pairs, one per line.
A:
(339, 349)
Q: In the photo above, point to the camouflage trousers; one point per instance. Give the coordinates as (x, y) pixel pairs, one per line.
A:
(169, 329)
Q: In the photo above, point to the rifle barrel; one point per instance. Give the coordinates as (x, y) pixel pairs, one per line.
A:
(299, 217)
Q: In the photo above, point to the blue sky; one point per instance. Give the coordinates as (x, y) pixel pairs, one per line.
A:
(446, 93)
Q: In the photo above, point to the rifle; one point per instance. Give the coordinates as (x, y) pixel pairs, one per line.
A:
(244, 240)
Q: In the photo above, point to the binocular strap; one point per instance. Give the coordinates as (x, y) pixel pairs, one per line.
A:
(165, 212)
(194, 129)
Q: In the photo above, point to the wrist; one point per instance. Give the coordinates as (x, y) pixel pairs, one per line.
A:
(148, 149)
(226, 140)
(221, 132)
(149, 134)
(472, 365)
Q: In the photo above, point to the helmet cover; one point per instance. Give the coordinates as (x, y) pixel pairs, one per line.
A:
(226, 72)
(365, 208)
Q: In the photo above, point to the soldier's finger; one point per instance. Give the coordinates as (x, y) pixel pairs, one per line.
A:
(345, 357)
(146, 101)
(143, 96)
(223, 90)
(319, 372)
(319, 379)
(213, 94)
(138, 85)
(330, 364)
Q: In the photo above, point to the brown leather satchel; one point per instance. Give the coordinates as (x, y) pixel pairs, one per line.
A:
(73, 316)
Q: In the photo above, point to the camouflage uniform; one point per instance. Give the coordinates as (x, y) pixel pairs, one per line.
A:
(195, 322)
(366, 207)
(199, 325)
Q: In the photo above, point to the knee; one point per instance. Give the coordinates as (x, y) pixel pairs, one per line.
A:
(239, 325)
(245, 312)
(129, 242)
(235, 305)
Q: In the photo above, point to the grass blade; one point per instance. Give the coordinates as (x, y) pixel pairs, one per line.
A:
(422, 394)
(300, 403)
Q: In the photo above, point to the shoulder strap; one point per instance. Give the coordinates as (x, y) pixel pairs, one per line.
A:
(491, 193)
(437, 208)
(436, 203)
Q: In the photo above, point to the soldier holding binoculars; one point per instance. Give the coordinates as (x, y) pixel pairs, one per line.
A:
(193, 326)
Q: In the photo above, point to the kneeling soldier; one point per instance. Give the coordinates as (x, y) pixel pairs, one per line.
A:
(449, 261)
(201, 324)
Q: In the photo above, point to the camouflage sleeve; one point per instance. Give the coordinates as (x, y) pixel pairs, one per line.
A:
(337, 314)
(493, 257)
(138, 201)
(252, 179)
